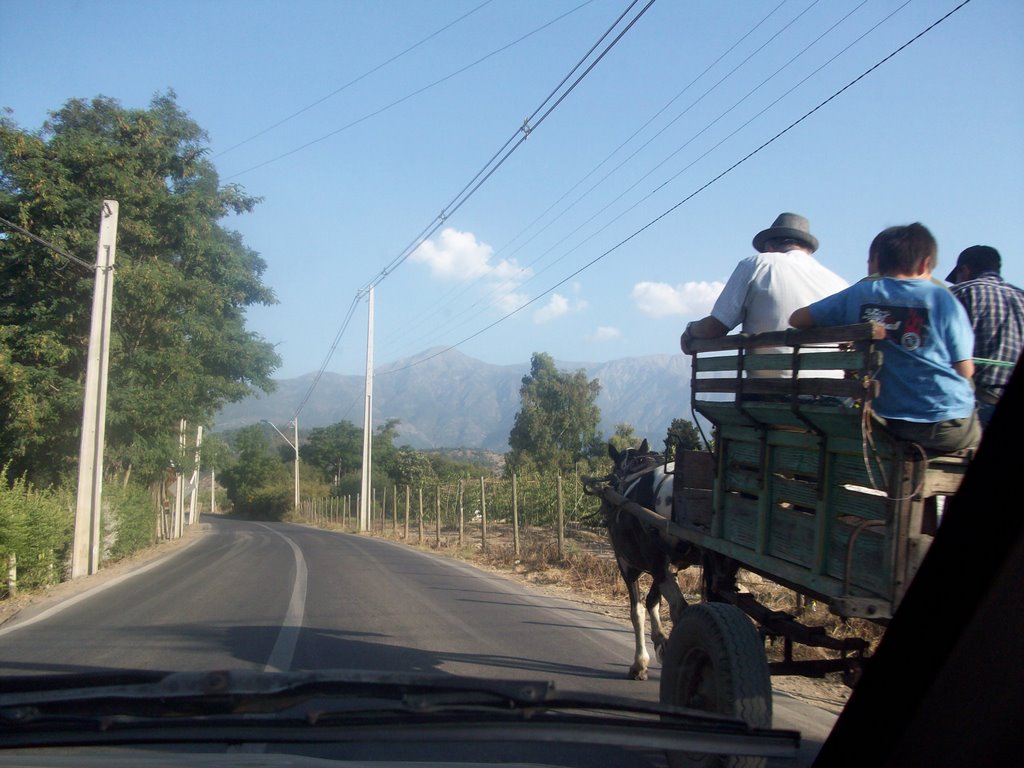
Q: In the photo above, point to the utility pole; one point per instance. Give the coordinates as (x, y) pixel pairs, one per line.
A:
(296, 423)
(85, 553)
(364, 505)
(193, 504)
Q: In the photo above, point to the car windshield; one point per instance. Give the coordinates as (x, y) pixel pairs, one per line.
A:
(340, 349)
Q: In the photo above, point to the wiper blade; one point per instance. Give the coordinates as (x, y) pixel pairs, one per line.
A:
(360, 706)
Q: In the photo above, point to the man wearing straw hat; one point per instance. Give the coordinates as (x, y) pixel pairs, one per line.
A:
(766, 288)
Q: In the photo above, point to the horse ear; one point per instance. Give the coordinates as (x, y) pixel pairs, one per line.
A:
(612, 453)
(644, 448)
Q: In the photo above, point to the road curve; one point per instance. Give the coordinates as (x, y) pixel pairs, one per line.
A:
(278, 596)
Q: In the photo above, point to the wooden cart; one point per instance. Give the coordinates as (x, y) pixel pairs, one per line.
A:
(801, 486)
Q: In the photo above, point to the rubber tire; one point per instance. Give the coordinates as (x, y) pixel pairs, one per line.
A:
(715, 661)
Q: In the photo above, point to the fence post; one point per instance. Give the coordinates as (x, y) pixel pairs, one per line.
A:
(419, 516)
(515, 516)
(394, 520)
(12, 575)
(437, 507)
(462, 517)
(561, 519)
(383, 510)
(407, 499)
(483, 516)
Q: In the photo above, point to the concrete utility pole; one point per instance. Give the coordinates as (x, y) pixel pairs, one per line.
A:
(367, 481)
(193, 499)
(85, 553)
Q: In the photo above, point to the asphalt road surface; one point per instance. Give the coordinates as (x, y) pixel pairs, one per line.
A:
(285, 597)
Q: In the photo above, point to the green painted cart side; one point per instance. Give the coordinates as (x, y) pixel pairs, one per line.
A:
(802, 485)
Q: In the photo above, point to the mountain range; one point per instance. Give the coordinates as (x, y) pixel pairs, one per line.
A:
(446, 399)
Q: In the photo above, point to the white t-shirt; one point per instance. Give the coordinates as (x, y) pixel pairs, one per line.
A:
(765, 289)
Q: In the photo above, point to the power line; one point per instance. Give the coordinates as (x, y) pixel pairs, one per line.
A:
(51, 246)
(523, 270)
(408, 96)
(355, 80)
(522, 133)
(689, 197)
(485, 173)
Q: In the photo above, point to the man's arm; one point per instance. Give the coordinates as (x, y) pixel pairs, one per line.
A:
(709, 327)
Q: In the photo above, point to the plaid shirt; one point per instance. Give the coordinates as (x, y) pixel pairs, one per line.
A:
(996, 309)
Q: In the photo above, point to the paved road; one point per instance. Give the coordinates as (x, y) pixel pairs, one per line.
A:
(278, 596)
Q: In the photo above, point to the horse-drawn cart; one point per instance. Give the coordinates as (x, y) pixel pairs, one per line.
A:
(800, 486)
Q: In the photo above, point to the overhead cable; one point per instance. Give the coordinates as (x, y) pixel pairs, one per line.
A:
(355, 80)
(689, 197)
(59, 251)
(408, 96)
(486, 172)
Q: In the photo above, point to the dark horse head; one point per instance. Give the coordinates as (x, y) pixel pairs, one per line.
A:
(629, 461)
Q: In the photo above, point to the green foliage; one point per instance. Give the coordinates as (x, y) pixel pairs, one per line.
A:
(624, 437)
(683, 433)
(179, 347)
(336, 450)
(129, 520)
(259, 485)
(36, 526)
(557, 423)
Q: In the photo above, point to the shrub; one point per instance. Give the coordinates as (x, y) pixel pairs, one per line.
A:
(37, 527)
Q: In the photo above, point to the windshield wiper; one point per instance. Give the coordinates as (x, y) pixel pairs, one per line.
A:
(320, 706)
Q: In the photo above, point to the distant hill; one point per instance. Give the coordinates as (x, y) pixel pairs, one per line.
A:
(452, 400)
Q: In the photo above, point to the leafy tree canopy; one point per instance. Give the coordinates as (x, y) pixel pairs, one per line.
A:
(336, 450)
(625, 436)
(683, 433)
(557, 423)
(258, 483)
(179, 346)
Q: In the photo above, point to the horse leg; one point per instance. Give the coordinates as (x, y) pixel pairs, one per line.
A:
(653, 605)
(640, 658)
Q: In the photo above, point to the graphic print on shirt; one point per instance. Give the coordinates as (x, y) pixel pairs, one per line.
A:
(906, 326)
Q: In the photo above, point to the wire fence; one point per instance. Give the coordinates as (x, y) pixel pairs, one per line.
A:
(486, 511)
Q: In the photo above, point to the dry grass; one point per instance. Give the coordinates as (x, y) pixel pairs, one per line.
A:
(586, 570)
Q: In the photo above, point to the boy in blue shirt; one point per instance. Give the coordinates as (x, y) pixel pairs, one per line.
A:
(926, 395)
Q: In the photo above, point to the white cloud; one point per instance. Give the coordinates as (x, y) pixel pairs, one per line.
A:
(605, 333)
(557, 306)
(686, 299)
(455, 255)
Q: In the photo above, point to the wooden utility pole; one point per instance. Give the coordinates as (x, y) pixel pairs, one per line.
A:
(85, 553)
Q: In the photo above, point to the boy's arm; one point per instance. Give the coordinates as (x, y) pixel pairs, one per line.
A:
(802, 318)
(965, 368)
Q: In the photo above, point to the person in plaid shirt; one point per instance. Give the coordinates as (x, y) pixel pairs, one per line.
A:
(996, 309)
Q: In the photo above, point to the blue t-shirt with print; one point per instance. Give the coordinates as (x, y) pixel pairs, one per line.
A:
(927, 330)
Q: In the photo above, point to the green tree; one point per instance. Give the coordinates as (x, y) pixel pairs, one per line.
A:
(625, 436)
(557, 422)
(179, 346)
(258, 484)
(684, 433)
(336, 450)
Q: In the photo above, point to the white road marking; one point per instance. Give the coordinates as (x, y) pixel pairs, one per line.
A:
(284, 648)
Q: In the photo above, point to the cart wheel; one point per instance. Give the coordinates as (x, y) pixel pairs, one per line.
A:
(715, 661)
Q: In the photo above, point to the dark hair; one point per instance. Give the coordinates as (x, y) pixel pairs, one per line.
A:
(980, 258)
(904, 250)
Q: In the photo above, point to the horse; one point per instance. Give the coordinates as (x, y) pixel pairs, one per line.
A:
(642, 477)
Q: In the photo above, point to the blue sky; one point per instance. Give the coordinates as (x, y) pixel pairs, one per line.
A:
(357, 144)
